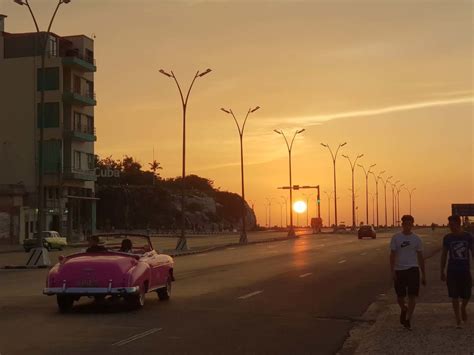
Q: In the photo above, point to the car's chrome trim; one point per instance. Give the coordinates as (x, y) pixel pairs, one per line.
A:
(91, 290)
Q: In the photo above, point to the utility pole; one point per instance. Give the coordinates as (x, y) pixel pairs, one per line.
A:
(377, 178)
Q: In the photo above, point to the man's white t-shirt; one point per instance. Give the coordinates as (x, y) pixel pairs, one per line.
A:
(405, 247)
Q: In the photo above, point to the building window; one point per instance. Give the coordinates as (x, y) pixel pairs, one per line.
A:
(89, 56)
(90, 124)
(89, 89)
(52, 162)
(90, 161)
(77, 121)
(51, 78)
(77, 160)
(77, 84)
(51, 115)
(53, 46)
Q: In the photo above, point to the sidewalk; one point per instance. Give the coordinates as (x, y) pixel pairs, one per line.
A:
(433, 324)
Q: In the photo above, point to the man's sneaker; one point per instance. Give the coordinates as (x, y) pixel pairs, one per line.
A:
(407, 324)
(403, 316)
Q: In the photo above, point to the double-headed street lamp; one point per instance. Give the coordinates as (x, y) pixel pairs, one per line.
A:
(399, 188)
(243, 234)
(41, 118)
(387, 180)
(334, 157)
(377, 178)
(353, 164)
(366, 173)
(394, 205)
(410, 192)
(291, 231)
(182, 244)
(329, 194)
(308, 197)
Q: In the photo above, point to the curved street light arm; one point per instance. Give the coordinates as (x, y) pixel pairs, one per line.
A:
(236, 122)
(190, 87)
(32, 15)
(179, 87)
(245, 120)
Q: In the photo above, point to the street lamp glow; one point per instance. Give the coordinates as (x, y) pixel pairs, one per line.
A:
(299, 206)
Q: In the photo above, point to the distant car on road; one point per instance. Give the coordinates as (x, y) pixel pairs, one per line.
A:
(366, 231)
(51, 240)
(114, 272)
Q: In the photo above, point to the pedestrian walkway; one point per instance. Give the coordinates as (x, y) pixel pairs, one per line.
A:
(433, 326)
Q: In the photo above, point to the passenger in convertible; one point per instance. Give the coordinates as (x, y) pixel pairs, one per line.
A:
(126, 246)
(94, 246)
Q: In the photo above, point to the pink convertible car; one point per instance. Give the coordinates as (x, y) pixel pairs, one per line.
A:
(128, 268)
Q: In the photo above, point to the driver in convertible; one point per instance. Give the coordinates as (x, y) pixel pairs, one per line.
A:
(126, 246)
(94, 246)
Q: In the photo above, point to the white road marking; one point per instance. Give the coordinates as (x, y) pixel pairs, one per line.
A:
(136, 337)
(363, 254)
(231, 248)
(378, 249)
(304, 275)
(201, 254)
(250, 295)
(342, 261)
(271, 247)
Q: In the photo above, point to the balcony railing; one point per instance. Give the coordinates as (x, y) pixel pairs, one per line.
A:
(82, 97)
(76, 54)
(83, 134)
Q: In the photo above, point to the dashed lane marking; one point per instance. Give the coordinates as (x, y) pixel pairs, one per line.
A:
(307, 274)
(250, 295)
(136, 337)
(231, 248)
(342, 261)
(203, 254)
(363, 254)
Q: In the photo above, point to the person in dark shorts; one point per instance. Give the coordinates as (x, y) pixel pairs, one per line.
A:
(406, 260)
(459, 246)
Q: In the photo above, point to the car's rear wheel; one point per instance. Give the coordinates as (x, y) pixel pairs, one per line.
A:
(65, 303)
(165, 292)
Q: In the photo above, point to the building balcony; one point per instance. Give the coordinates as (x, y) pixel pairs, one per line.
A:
(79, 62)
(83, 134)
(80, 174)
(84, 98)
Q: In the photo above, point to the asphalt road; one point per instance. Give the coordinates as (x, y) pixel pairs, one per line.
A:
(290, 297)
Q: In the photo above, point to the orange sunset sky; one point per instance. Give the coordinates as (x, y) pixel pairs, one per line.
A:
(392, 78)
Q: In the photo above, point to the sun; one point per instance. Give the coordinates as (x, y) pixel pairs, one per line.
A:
(299, 206)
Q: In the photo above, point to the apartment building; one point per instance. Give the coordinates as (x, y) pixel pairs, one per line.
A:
(69, 134)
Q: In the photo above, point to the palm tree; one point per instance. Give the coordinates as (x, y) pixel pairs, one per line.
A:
(154, 166)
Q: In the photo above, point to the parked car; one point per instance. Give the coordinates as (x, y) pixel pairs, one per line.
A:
(113, 272)
(366, 232)
(51, 240)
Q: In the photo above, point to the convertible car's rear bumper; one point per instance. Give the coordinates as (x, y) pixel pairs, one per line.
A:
(91, 290)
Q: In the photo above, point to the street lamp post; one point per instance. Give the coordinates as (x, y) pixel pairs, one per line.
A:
(366, 173)
(269, 200)
(291, 231)
(329, 207)
(182, 243)
(398, 203)
(334, 157)
(353, 164)
(377, 178)
(387, 180)
(285, 200)
(281, 213)
(41, 119)
(410, 192)
(308, 196)
(394, 185)
(243, 234)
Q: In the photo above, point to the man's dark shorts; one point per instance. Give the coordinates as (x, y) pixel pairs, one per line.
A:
(407, 282)
(459, 284)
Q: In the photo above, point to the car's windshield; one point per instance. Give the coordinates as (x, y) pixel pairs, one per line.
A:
(126, 243)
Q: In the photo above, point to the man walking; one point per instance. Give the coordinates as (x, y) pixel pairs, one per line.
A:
(458, 244)
(406, 260)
